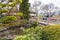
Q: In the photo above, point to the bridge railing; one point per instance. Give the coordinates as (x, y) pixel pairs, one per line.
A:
(50, 20)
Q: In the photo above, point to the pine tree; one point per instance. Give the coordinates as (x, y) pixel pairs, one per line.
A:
(10, 3)
(4, 8)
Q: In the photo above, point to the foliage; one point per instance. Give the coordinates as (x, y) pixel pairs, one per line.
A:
(3, 39)
(9, 19)
(2, 5)
(34, 24)
(27, 37)
(25, 9)
(19, 1)
(19, 14)
(4, 11)
(12, 4)
(51, 32)
(10, 0)
(7, 8)
(31, 34)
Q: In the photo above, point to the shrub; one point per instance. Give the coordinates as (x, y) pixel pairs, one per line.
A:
(34, 24)
(31, 34)
(27, 37)
(51, 32)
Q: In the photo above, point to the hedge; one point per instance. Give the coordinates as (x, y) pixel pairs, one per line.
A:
(51, 32)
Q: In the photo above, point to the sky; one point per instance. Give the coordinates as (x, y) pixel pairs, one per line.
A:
(55, 2)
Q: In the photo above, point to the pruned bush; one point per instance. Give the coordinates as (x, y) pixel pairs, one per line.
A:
(51, 33)
(19, 14)
(3, 11)
(9, 19)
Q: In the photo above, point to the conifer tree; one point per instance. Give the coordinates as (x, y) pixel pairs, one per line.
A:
(24, 7)
(4, 8)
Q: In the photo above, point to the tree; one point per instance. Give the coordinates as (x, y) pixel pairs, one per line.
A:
(4, 7)
(36, 7)
(24, 8)
(48, 9)
(7, 7)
